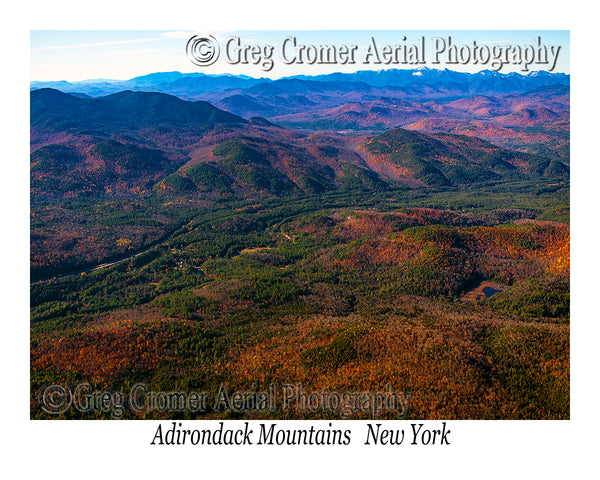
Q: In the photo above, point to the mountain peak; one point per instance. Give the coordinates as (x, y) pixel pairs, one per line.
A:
(125, 111)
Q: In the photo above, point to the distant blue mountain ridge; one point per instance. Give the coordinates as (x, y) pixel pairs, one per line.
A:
(400, 82)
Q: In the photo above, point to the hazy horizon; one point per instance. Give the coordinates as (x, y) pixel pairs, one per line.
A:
(94, 80)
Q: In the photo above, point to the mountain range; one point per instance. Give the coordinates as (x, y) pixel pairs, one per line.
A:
(410, 82)
(529, 113)
(135, 142)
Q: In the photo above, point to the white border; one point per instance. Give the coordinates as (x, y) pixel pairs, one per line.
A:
(480, 449)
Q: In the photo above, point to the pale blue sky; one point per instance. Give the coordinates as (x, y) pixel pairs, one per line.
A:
(113, 54)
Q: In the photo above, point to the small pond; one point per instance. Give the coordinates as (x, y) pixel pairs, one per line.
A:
(484, 290)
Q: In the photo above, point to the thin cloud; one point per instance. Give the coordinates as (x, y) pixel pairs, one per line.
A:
(97, 44)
